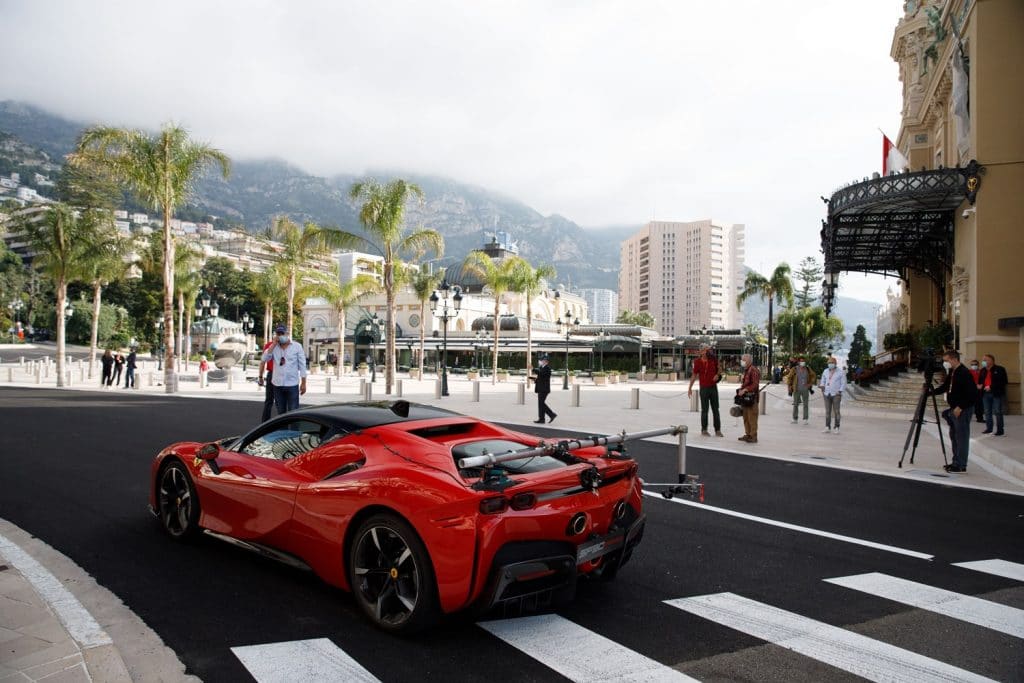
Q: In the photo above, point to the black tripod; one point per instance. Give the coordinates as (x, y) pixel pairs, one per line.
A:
(915, 425)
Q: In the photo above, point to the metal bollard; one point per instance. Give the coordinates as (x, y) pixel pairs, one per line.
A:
(46, 371)
(521, 394)
(231, 380)
(369, 391)
(10, 374)
(68, 383)
(398, 388)
(575, 396)
(437, 388)
(21, 361)
(763, 401)
(327, 386)
(39, 377)
(695, 402)
(634, 398)
(81, 373)
(150, 376)
(682, 454)
(362, 386)
(476, 391)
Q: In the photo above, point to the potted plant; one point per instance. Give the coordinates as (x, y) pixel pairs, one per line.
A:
(473, 374)
(600, 378)
(414, 373)
(502, 375)
(363, 369)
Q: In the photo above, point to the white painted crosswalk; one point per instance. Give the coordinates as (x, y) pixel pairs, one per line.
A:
(846, 650)
(578, 653)
(1002, 618)
(1008, 570)
(302, 660)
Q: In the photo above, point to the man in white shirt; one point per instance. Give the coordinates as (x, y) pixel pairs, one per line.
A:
(289, 378)
(833, 384)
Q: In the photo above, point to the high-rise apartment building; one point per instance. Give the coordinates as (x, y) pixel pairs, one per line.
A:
(686, 275)
(602, 304)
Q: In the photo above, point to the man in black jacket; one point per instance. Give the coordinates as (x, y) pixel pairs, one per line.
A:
(542, 385)
(961, 393)
(992, 384)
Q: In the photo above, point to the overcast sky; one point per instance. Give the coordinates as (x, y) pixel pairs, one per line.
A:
(604, 112)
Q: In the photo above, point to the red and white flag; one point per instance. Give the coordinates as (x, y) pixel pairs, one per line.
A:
(892, 160)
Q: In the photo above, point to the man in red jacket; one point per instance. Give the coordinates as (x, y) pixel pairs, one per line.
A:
(705, 368)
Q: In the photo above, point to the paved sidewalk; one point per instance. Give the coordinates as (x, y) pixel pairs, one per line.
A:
(34, 641)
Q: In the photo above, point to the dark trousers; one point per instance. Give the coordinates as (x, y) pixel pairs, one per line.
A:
(709, 398)
(979, 411)
(129, 378)
(993, 405)
(959, 435)
(268, 399)
(117, 376)
(286, 398)
(105, 380)
(542, 407)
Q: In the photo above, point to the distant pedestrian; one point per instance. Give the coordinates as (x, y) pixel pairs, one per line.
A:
(705, 368)
(264, 380)
(107, 362)
(992, 380)
(129, 370)
(542, 386)
(118, 367)
(801, 382)
(373, 367)
(961, 393)
(979, 407)
(750, 385)
(289, 370)
(833, 384)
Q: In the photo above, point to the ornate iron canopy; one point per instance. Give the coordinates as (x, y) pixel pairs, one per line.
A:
(897, 223)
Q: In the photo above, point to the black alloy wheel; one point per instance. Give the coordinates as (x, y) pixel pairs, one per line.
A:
(177, 503)
(392, 576)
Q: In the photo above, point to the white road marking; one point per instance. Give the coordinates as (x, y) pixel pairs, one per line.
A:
(76, 619)
(1008, 570)
(795, 527)
(578, 653)
(1002, 618)
(860, 655)
(301, 660)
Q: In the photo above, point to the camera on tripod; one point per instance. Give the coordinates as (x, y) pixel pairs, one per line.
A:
(929, 364)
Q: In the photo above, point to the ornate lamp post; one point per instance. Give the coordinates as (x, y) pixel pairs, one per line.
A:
(445, 315)
(374, 331)
(15, 308)
(158, 324)
(569, 326)
(205, 310)
(247, 325)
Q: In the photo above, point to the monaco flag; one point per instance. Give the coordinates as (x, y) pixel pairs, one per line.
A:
(892, 160)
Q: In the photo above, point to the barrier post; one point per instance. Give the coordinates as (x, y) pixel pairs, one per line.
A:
(476, 391)
(682, 454)
(369, 391)
(327, 385)
(521, 394)
(437, 388)
(763, 401)
(575, 396)
(398, 388)
(695, 402)
(231, 380)
(362, 386)
(634, 398)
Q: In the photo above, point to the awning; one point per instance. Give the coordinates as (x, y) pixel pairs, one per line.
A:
(892, 224)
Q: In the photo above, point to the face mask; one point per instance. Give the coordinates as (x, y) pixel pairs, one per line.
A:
(984, 363)
(802, 363)
(946, 364)
(974, 367)
(743, 363)
(283, 339)
(831, 366)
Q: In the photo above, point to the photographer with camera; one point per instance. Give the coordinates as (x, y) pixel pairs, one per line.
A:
(961, 394)
(706, 369)
(747, 397)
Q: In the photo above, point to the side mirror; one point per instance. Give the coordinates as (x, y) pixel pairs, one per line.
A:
(209, 453)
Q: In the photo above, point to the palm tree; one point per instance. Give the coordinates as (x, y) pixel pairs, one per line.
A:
(266, 287)
(777, 288)
(424, 284)
(383, 217)
(498, 277)
(342, 296)
(188, 282)
(300, 245)
(58, 237)
(101, 262)
(160, 170)
(530, 282)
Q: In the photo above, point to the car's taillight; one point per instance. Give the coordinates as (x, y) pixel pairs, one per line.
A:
(523, 501)
(492, 506)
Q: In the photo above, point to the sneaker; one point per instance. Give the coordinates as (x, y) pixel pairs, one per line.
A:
(827, 430)
(807, 423)
(836, 430)
(719, 434)
(704, 432)
(794, 421)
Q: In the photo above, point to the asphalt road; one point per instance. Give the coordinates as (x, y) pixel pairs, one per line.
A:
(74, 467)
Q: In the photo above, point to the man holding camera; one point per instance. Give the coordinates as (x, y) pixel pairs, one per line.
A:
(705, 368)
(961, 393)
(750, 385)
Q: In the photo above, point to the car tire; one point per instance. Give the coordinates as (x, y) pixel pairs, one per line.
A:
(177, 502)
(391, 574)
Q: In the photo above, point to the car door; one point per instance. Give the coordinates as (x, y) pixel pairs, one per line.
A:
(253, 495)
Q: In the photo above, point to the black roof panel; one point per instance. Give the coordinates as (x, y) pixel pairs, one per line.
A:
(364, 414)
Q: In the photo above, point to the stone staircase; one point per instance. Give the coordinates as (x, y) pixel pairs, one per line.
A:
(900, 392)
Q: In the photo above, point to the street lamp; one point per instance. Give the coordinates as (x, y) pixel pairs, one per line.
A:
(247, 325)
(601, 347)
(570, 325)
(158, 324)
(15, 307)
(445, 315)
(206, 311)
(374, 331)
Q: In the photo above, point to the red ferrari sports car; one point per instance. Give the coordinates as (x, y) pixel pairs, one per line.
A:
(371, 497)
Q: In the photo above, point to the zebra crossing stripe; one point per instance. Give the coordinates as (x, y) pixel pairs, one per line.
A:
(852, 652)
(301, 660)
(1002, 618)
(1008, 570)
(578, 653)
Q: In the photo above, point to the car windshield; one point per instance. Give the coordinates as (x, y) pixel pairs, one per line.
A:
(536, 463)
